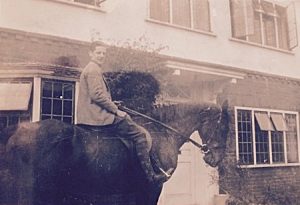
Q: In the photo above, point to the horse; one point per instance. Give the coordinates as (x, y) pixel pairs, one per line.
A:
(54, 163)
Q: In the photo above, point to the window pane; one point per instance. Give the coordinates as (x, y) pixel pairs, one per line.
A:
(47, 89)
(24, 118)
(160, 10)
(44, 117)
(67, 119)
(68, 108)
(201, 15)
(277, 147)
(3, 122)
(46, 106)
(262, 145)
(13, 120)
(68, 91)
(181, 12)
(56, 117)
(57, 90)
(237, 16)
(269, 30)
(256, 37)
(291, 138)
(57, 107)
(267, 7)
(282, 27)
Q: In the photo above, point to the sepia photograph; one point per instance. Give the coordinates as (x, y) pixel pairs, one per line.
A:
(149, 102)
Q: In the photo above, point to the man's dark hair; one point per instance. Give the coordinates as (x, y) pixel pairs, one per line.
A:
(94, 44)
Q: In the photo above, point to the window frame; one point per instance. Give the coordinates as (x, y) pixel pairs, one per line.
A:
(52, 98)
(170, 22)
(279, 42)
(270, 164)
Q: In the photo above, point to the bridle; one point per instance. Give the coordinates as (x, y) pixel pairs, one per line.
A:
(205, 149)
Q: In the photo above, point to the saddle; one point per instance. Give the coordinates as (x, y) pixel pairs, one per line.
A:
(109, 130)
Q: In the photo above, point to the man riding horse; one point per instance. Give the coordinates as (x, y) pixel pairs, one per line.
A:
(97, 110)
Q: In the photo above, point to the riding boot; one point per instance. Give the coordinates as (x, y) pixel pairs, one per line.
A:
(146, 165)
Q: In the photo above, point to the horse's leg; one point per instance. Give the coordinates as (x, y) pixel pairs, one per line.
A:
(21, 170)
(154, 193)
(148, 194)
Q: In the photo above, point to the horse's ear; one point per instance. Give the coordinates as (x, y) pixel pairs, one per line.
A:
(225, 106)
(225, 117)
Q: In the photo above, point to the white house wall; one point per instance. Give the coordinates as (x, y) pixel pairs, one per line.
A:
(129, 21)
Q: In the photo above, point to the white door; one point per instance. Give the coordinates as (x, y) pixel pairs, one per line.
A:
(193, 182)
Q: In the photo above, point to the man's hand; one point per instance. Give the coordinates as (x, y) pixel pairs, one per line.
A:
(120, 113)
(118, 102)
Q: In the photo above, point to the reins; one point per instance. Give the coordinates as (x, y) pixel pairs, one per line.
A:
(203, 147)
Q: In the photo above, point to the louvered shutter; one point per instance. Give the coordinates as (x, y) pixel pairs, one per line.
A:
(160, 10)
(292, 26)
(242, 17)
(201, 15)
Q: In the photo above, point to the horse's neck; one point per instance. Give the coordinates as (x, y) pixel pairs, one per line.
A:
(185, 127)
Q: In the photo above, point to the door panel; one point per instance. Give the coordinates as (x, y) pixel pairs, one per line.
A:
(193, 182)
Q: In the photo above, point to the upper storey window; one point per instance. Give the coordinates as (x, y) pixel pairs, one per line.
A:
(264, 22)
(192, 14)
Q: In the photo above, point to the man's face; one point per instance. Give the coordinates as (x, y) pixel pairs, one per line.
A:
(98, 55)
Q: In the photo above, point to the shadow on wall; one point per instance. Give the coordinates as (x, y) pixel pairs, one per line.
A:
(68, 61)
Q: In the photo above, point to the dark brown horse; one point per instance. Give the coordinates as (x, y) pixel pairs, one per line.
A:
(54, 163)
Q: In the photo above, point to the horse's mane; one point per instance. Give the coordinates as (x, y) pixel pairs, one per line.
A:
(167, 113)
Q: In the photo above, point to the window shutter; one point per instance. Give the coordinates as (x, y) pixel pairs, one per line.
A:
(279, 122)
(181, 12)
(15, 96)
(249, 17)
(201, 15)
(264, 121)
(160, 10)
(292, 26)
(242, 17)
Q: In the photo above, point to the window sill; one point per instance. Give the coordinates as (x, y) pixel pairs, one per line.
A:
(81, 5)
(181, 27)
(261, 46)
(270, 165)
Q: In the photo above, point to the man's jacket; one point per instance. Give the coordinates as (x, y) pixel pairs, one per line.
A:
(94, 106)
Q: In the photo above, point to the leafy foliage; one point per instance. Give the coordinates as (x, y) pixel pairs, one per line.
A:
(138, 90)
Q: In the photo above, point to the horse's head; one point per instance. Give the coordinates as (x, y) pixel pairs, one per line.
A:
(213, 129)
(210, 120)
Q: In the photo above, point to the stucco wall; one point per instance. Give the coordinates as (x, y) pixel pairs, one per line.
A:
(129, 21)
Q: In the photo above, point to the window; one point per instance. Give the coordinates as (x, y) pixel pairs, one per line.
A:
(193, 14)
(267, 137)
(263, 22)
(57, 100)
